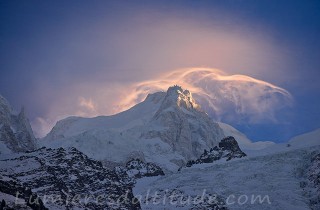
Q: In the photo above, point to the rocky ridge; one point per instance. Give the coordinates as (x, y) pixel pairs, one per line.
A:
(228, 149)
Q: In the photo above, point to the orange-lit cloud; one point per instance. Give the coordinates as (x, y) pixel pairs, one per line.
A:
(220, 94)
(87, 107)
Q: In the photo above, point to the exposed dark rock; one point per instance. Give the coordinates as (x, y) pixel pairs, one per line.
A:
(230, 145)
(228, 149)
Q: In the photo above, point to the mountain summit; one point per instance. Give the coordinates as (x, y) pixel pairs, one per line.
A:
(177, 96)
(167, 128)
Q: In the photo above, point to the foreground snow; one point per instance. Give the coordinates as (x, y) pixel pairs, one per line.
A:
(276, 178)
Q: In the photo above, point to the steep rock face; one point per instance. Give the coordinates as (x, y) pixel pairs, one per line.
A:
(68, 174)
(183, 125)
(15, 131)
(228, 149)
(231, 145)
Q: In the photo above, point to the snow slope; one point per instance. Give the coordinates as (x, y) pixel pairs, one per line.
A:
(308, 139)
(301, 141)
(135, 116)
(277, 178)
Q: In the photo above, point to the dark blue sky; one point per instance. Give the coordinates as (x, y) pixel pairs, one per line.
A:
(53, 52)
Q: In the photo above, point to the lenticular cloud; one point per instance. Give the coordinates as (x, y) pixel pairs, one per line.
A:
(224, 97)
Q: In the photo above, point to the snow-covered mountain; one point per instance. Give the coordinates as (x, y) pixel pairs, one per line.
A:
(15, 131)
(168, 128)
